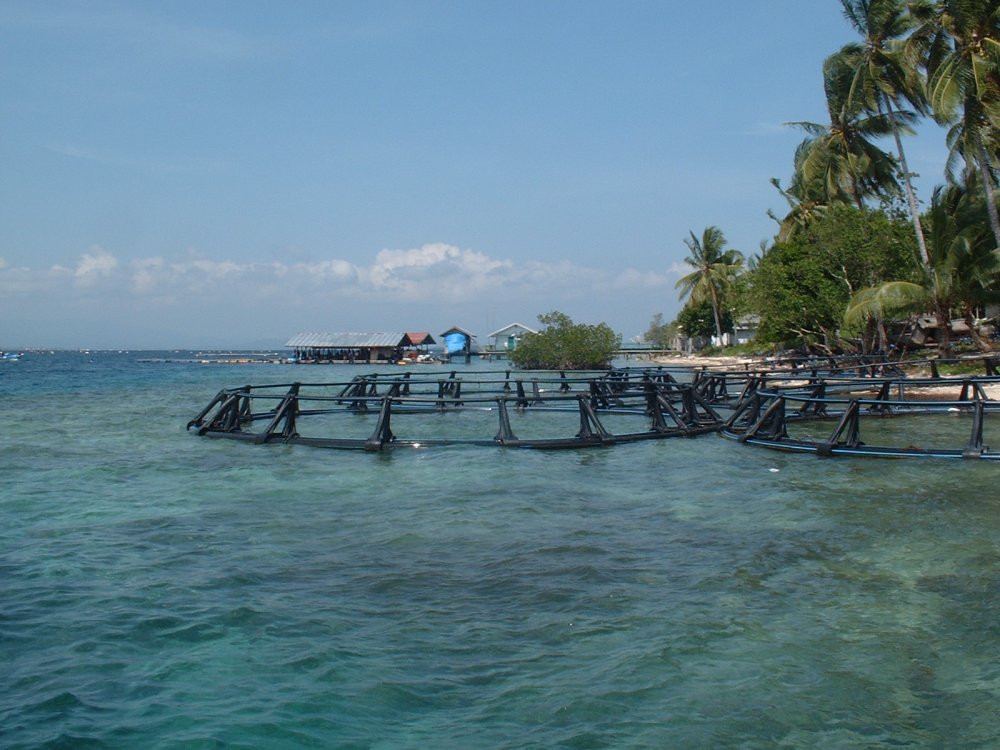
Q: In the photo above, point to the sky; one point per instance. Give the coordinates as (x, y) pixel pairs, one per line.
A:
(225, 175)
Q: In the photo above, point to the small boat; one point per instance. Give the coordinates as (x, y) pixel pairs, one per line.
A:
(418, 358)
(10, 356)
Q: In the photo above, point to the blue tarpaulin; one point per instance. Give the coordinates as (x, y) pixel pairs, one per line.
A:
(455, 342)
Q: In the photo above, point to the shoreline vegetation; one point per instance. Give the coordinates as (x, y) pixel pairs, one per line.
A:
(857, 261)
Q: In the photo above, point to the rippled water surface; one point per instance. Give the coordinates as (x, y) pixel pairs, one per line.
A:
(164, 590)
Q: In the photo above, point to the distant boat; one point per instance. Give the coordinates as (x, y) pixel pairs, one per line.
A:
(11, 356)
(418, 358)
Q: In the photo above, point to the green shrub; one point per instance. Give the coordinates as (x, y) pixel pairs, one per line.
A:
(565, 345)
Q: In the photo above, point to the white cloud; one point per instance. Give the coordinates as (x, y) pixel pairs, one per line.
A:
(631, 278)
(211, 270)
(563, 274)
(145, 273)
(432, 273)
(19, 281)
(93, 266)
(325, 271)
(678, 269)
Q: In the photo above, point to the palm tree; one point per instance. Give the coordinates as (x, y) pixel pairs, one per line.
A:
(715, 269)
(840, 159)
(959, 43)
(884, 78)
(961, 274)
(805, 203)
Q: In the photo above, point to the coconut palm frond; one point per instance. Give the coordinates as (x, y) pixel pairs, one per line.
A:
(886, 300)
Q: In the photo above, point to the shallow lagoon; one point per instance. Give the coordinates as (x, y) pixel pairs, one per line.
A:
(161, 590)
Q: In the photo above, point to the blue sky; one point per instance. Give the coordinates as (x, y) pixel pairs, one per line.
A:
(191, 174)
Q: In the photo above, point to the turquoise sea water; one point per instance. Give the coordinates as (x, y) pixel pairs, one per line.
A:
(160, 590)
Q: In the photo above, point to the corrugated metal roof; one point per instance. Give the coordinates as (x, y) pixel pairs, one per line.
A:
(345, 340)
(456, 329)
(515, 327)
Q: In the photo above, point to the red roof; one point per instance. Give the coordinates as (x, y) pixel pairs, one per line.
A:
(419, 338)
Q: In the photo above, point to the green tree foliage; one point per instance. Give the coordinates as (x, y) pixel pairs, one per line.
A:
(883, 80)
(799, 301)
(806, 201)
(912, 58)
(868, 86)
(698, 319)
(659, 334)
(962, 271)
(958, 43)
(565, 345)
(801, 287)
(841, 161)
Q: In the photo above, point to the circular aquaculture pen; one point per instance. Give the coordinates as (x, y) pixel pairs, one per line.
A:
(829, 407)
(871, 417)
(537, 410)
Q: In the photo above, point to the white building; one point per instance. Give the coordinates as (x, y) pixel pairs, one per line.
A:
(507, 337)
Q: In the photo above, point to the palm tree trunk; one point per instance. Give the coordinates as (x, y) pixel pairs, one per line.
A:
(986, 173)
(715, 312)
(911, 198)
(868, 337)
(943, 315)
(983, 344)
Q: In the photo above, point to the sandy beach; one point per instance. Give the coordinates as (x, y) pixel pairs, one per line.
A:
(710, 362)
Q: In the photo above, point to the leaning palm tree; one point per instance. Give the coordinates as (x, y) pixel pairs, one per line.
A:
(715, 269)
(971, 141)
(841, 158)
(885, 80)
(959, 43)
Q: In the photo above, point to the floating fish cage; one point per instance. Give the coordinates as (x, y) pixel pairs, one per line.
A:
(845, 406)
(871, 417)
(378, 411)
